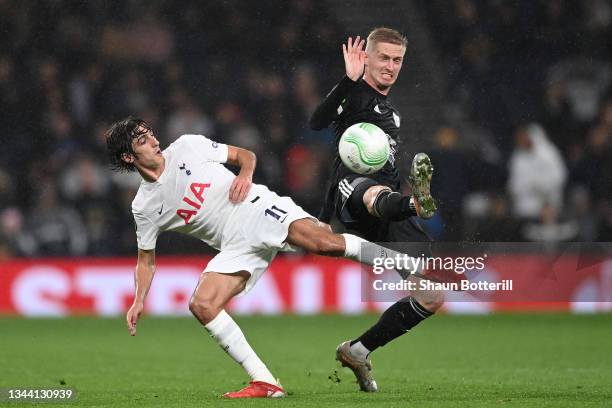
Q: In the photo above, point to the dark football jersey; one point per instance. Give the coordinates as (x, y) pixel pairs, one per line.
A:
(348, 103)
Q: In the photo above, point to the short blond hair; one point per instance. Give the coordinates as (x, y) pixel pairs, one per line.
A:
(387, 35)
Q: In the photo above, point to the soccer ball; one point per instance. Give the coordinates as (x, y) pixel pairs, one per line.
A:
(364, 148)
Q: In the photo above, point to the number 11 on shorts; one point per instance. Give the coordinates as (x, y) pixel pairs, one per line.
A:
(277, 213)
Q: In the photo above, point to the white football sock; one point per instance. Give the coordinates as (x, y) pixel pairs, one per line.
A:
(231, 339)
(353, 251)
(352, 246)
(360, 351)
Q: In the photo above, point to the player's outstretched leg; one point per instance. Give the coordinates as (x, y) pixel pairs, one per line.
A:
(307, 234)
(394, 322)
(421, 172)
(207, 304)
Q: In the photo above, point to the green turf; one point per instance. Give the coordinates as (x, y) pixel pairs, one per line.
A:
(449, 361)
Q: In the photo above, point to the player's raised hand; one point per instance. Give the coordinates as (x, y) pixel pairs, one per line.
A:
(354, 58)
(240, 188)
(133, 315)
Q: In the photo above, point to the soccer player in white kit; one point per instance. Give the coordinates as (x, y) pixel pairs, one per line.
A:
(186, 188)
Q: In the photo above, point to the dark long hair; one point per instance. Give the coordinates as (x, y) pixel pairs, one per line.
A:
(119, 141)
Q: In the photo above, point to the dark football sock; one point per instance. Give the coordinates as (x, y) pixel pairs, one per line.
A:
(395, 321)
(394, 206)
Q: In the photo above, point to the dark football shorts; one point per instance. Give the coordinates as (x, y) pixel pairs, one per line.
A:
(353, 214)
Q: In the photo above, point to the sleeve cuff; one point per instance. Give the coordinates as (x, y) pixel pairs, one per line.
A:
(346, 84)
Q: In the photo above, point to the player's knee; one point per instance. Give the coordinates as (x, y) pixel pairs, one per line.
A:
(370, 196)
(432, 301)
(205, 309)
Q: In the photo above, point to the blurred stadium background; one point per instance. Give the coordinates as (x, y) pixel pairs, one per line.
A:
(480, 79)
(512, 100)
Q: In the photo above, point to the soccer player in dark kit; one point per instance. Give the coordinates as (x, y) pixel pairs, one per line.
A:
(371, 205)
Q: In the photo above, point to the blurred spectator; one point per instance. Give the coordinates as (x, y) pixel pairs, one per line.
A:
(306, 97)
(451, 181)
(53, 229)
(7, 189)
(594, 167)
(148, 38)
(186, 117)
(493, 223)
(598, 22)
(13, 242)
(305, 91)
(85, 181)
(134, 96)
(557, 118)
(605, 228)
(122, 222)
(302, 171)
(585, 83)
(584, 214)
(537, 173)
(100, 232)
(550, 228)
(82, 92)
(606, 115)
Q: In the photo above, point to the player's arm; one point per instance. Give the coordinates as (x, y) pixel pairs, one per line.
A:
(246, 160)
(354, 63)
(143, 276)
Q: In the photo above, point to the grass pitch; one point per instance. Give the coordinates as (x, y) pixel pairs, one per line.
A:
(450, 361)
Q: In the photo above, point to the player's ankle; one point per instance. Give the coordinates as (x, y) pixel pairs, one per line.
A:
(358, 350)
(268, 379)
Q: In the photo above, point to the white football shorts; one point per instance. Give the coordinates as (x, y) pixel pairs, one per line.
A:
(256, 233)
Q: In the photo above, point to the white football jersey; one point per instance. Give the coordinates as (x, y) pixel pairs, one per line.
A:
(191, 196)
